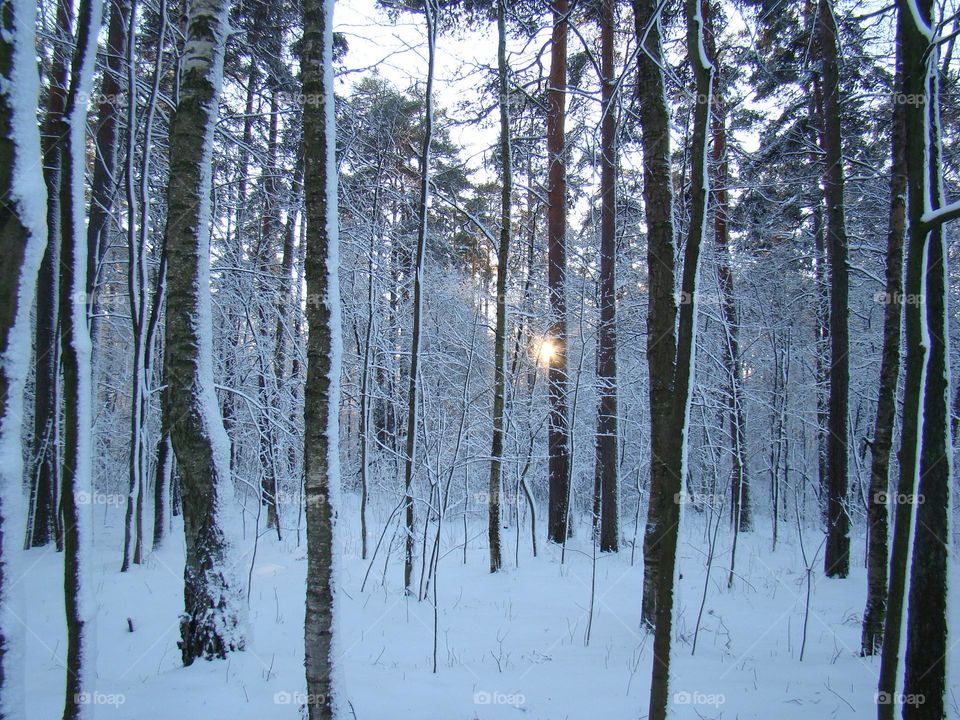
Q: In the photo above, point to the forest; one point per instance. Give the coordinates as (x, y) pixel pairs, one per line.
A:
(479, 359)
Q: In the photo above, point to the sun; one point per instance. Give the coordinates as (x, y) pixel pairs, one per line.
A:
(545, 351)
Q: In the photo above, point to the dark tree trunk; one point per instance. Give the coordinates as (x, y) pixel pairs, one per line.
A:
(76, 470)
(321, 394)
(662, 302)
(503, 259)
(161, 490)
(606, 471)
(22, 241)
(837, 551)
(104, 186)
(675, 465)
(45, 519)
(927, 621)
(210, 625)
(269, 379)
(877, 549)
(915, 360)
(558, 434)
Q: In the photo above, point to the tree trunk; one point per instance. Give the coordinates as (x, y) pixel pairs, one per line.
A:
(837, 551)
(322, 390)
(137, 295)
(559, 421)
(269, 378)
(22, 240)
(418, 269)
(927, 626)
(662, 303)
(161, 490)
(606, 470)
(739, 485)
(211, 625)
(503, 259)
(679, 415)
(873, 615)
(77, 467)
(46, 409)
(105, 183)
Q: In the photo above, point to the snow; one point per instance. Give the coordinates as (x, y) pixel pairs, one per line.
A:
(531, 620)
(29, 195)
(208, 406)
(80, 340)
(336, 341)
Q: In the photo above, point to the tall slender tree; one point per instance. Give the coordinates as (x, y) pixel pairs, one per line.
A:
(503, 261)
(877, 509)
(44, 516)
(103, 188)
(662, 304)
(606, 470)
(77, 463)
(322, 391)
(927, 644)
(23, 235)
(430, 10)
(558, 428)
(837, 551)
(211, 625)
(684, 366)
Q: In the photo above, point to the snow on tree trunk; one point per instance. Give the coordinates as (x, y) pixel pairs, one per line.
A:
(927, 620)
(916, 347)
(44, 516)
(324, 350)
(23, 237)
(212, 623)
(77, 468)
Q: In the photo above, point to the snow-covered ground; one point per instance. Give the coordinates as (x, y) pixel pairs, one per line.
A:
(508, 646)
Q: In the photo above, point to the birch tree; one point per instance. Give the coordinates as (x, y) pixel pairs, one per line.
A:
(23, 236)
(211, 625)
(322, 392)
(77, 466)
